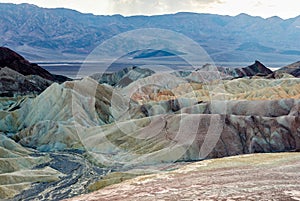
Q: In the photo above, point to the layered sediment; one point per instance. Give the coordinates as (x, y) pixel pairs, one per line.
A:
(76, 132)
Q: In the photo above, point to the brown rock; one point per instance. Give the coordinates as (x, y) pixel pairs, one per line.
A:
(13, 83)
(293, 69)
(13, 60)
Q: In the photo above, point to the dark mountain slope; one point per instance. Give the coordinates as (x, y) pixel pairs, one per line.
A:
(16, 62)
(20, 77)
(293, 69)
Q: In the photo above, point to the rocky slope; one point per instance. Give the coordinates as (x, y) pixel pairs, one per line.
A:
(17, 168)
(293, 69)
(255, 69)
(13, 83)
(122, 77)
(43, 176)
(209, 72)
(257, 176)
(20, 77)
(16, 62)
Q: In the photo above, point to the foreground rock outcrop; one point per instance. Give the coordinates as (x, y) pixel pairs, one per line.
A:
(257, 176)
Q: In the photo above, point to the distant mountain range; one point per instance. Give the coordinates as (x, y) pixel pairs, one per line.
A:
(64, 34)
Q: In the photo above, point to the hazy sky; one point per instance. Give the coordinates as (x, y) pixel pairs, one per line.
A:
(265, 8)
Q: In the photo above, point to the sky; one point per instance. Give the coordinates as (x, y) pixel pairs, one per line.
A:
(264, 8)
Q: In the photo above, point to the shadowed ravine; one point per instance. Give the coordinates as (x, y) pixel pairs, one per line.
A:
(77, 172)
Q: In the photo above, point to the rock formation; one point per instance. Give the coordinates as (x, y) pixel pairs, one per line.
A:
(16, 62)
(123, 77)
(253, 70)
(13, 83)
(20, 77)
(17, 168)
(293, 69)
(138, 119)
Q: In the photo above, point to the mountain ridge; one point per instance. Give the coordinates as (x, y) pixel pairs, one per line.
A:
(65, 34)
